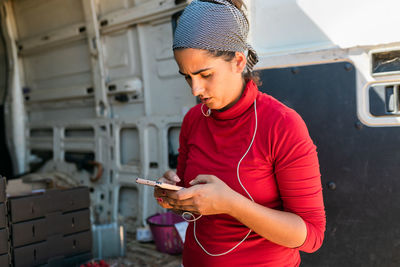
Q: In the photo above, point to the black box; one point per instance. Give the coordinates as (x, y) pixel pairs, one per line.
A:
(53, 248)
(3, 241)
(56, 223)
(38, 205)
(2, 189)
(3, 215)
(4, 260)
(75, 260)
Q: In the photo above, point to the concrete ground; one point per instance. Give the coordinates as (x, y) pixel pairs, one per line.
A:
(145, 255)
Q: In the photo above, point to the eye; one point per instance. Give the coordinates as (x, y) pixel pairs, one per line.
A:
(188, 78)
(208, 75)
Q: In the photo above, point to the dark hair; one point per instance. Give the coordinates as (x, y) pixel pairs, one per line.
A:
(239, 4)
(228, 56)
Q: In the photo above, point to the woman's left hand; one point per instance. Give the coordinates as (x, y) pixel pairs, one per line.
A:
(208, 195)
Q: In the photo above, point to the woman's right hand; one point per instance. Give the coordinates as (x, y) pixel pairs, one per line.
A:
(160, 194)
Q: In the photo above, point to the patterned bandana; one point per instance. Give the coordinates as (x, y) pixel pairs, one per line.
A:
(214, 25)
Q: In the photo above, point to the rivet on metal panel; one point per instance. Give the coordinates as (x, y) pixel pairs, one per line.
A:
(331, 185)
(358, 125)
(348, 67)
(295, 70)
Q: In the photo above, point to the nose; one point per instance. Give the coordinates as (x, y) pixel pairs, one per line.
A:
(197, 87)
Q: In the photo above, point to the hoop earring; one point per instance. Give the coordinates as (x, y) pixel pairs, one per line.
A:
(207, 114)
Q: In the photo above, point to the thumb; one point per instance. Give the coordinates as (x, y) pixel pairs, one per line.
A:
(201, 179)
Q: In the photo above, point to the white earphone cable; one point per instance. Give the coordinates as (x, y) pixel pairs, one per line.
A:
(240, 182)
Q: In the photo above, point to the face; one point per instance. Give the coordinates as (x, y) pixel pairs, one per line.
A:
(215, 81)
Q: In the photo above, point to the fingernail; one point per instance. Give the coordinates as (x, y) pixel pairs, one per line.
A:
(176, 178)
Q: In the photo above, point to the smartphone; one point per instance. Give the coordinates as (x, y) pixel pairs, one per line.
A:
(159, 184)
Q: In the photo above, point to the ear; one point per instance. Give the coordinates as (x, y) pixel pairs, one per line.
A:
(239, 62)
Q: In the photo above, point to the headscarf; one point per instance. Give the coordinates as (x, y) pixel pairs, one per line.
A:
(214, 25)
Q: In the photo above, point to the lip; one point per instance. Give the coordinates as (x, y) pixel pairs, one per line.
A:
(205, 100)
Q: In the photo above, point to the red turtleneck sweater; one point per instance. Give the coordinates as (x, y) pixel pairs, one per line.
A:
(280, 171)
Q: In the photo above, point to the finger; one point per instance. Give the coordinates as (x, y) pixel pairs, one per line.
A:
(191, 209)
(163, 203)
(179, 203)
(186, 205)
(165, 180)
(185, 193)
(172, 176)
(201, 179)
(159, 192)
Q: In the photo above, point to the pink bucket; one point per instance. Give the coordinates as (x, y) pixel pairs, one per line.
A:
(164, 233)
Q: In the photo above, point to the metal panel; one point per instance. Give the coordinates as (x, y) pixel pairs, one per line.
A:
(104, 65)
(359, 165)
(166, 93)
(39, 16)
(122, 53)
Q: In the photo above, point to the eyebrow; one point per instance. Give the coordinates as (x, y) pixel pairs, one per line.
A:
(194, 73)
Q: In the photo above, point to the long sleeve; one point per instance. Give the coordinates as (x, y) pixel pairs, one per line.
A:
(183, 150)
(298, 177)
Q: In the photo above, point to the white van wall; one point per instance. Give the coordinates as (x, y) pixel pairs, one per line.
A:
(100, 83)
(305, 32)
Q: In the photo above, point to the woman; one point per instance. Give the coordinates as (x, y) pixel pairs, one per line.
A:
(249, 168)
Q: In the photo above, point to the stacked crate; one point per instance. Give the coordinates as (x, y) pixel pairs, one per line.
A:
(50, 228)
(4, 240)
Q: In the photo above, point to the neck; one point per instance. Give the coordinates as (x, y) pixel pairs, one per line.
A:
(236, 99)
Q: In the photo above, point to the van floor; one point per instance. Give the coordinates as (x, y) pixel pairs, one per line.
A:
(145, 255)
